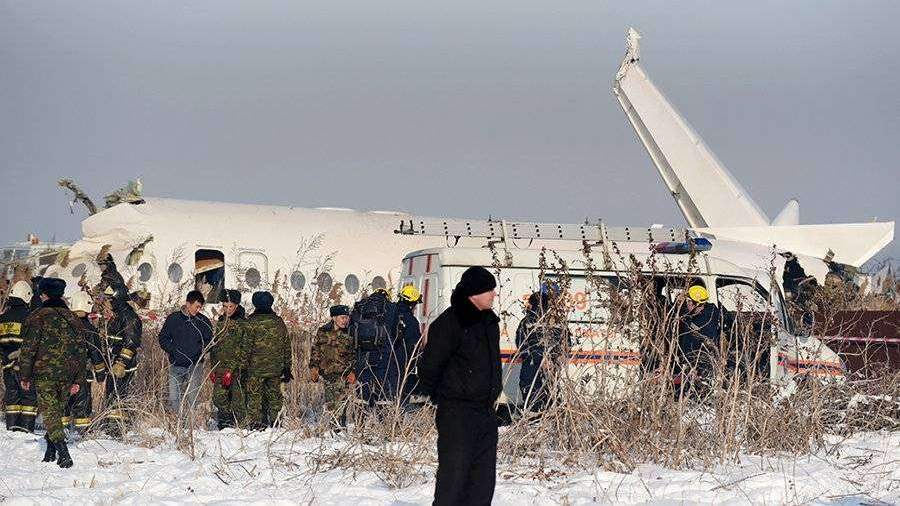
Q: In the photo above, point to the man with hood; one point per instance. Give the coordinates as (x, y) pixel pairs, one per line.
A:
(52, 358)
(78, 409)
(331, 358)
(460, 370)
(21, 405)
(269, 362)
(229, 359)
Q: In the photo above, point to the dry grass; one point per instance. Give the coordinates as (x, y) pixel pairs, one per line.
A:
(632, 418)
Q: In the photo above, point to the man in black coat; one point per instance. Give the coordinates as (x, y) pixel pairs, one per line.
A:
(21, 404)
(460, 371)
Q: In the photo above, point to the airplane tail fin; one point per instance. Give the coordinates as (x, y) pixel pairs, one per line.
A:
(789, 215)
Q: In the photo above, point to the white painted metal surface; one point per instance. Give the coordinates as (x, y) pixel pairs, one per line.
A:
(709, 196)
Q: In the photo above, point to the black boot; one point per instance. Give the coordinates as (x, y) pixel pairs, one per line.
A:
(12, 421)
(26, 422)
(50, 453)
(65, 460)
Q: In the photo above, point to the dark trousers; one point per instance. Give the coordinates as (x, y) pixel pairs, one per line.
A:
(467, 454)
(531, 383)
(21, 404)
(78, 408)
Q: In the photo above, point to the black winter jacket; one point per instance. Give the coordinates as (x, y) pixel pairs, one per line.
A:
(185, 337)
(461, 359)
(12, 327)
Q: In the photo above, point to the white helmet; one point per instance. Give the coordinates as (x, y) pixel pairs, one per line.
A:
(21, 290)
(82, 301)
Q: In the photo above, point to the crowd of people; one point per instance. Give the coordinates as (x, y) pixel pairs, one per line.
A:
(370, 355)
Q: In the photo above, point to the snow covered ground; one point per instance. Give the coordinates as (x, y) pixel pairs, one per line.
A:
(275, 468)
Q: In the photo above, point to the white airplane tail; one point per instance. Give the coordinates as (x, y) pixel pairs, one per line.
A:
(709, 196)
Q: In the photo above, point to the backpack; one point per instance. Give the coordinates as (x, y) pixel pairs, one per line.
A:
(368, 323)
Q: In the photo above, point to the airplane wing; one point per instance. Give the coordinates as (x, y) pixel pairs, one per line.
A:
(705, 191)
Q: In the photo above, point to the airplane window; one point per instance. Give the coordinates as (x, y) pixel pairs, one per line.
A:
(175, 273)
(252, 277)
(298, 280)
(145, 270)
(78, 270)
(324, 281)
(351, 284)
(378, 282)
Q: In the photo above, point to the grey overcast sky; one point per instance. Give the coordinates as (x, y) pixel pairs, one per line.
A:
(463, 108)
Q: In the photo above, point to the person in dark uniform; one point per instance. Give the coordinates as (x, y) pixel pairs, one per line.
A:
(21, 405)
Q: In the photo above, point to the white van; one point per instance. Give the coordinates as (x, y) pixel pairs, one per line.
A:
(599, 354)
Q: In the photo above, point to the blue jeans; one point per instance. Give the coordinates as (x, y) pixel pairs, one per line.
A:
(184, 387)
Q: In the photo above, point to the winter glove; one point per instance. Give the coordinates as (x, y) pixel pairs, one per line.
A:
(226, 378)
(351, 378)
(286, 375)
(314, 374)
(118, 369)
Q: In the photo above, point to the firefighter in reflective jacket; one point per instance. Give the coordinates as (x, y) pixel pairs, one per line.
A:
(120, 336)
(78, 409)
(20, 404)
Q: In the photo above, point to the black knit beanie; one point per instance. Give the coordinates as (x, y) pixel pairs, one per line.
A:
(475, 280)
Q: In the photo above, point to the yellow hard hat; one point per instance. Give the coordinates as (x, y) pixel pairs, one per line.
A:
(698, 294)
(410, 293)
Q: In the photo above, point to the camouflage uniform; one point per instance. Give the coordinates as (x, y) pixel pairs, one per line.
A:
(78, 409)
(21, 404)
(53, 356)
(269, 357)
(333, 355)
(230, 354)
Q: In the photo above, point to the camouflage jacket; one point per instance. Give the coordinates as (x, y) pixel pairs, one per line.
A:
(332, 351)
(269, 345)
(54, 347)
(231, 348)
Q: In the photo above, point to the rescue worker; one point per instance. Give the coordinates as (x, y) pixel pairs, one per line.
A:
(120, 331)
(460, 371)
(698, 336)
(229, 358)
(542, 341)
(185, 336)
(409, 330)
(78, 409)
(52, 360)
(380, 353)
(331, 359)
(269, 362)
(21, 405)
